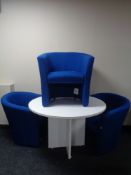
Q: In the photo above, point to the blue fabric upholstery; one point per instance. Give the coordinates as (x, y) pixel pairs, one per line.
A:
(25, 126)
(61, 72)
(65, 77)
(103, 131)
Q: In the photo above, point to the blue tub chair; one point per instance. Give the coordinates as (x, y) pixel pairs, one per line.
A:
(65, 74)
(25, 126)
(103, 131)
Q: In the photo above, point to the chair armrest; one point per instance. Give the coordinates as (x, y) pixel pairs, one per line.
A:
(87, 66)
(44, 69)
(44, 66)
(120, 110)
(117, 116)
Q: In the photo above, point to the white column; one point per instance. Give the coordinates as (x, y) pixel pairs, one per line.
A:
(57, 130)
(69, 137)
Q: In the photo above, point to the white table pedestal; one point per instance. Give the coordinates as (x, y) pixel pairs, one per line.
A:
(58, 131)
(66, 132)
(69, 137)
(66, 120)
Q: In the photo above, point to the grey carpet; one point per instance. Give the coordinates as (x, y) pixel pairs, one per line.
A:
(18, 160)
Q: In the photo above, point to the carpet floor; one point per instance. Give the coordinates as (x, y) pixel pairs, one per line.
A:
(19, 160)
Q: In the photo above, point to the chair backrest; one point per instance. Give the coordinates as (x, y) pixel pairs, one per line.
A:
(18, 99)
(113, 101)
(73, 61)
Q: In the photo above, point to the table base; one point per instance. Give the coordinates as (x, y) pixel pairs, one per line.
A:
(69, 138)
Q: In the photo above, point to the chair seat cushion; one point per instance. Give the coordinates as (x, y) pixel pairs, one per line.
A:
(65, 77)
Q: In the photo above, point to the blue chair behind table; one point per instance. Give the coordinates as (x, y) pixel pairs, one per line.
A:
(25, 126)
(62, 72)
(103, 131)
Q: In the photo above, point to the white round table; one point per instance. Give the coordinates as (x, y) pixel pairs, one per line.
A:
(69, 109)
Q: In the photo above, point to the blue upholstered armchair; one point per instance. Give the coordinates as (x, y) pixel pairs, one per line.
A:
(103, 131)
(26, 127)
(65, 74)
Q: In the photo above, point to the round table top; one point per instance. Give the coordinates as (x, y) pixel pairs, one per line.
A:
(67, 108)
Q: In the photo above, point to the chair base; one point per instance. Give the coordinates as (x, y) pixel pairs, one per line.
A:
(64, 90)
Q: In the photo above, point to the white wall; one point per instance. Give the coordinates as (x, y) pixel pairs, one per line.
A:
(99, 27)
